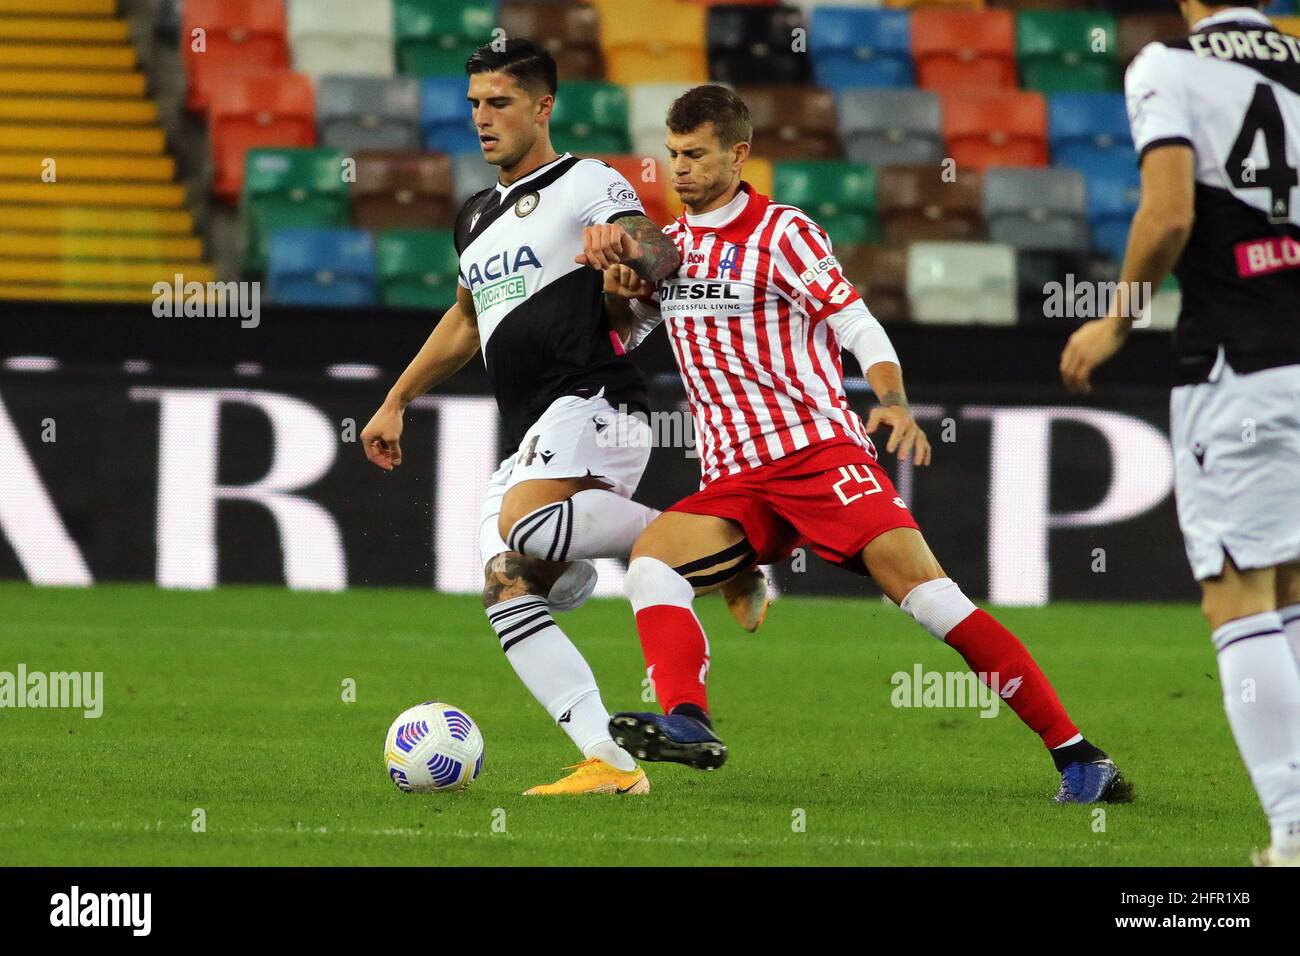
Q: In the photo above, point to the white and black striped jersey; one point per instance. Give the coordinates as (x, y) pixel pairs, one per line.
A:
(541, 320)
(1231, 91)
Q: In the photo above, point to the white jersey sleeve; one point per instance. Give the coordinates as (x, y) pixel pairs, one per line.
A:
(600, 194)
(1158, 113)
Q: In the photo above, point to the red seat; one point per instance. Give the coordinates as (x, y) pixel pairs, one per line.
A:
(243, 32)
(653, 193)
(248, 110)
(995, 128)
(964, 49)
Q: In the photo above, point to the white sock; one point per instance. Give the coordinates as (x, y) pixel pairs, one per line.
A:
(594, 523)
(938, 606)
(650, 582)
(1290, 616)
(557, 674)
(1261, 694)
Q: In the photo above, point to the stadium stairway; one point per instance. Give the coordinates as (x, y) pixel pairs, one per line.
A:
(90, 205)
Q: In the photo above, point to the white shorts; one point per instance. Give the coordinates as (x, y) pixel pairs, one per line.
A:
(1237, 468)
(574, 438)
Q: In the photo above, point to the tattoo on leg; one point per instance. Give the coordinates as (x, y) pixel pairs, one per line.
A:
(510, 575)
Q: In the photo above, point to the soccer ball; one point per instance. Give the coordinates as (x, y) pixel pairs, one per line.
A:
(433, 746)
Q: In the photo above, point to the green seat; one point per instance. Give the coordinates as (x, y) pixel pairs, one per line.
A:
(1065, 50)
(417, 268)
(288, 189)
(590, 117)
(839, 195)
(436, 37)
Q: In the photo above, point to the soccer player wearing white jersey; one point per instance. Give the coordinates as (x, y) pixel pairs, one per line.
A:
(756, 315)
(1216, 122)
(530, 295)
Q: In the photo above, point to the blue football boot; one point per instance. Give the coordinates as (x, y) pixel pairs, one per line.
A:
(1093, 781)
(674, 737)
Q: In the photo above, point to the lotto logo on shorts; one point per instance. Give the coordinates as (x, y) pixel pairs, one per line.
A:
(855, 482)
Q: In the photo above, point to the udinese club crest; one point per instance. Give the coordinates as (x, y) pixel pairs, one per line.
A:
(526, 204)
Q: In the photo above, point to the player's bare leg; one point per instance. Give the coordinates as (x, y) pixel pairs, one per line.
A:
(1261, 691)
(515, 593)
(902, 564)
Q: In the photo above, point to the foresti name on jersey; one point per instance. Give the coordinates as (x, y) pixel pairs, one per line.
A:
(1247, 44)
(500, 277)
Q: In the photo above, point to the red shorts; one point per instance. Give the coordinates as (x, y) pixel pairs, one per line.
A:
(833, 495)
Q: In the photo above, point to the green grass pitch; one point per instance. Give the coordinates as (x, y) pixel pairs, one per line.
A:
(231, 702)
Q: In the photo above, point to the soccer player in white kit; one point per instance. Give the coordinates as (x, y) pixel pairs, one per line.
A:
(1216, 121)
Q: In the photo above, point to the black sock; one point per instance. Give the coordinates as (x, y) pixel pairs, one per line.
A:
(1082, 752)
(691, 710)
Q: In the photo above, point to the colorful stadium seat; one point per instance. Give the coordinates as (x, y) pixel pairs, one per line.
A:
(853, 47)
(653, 42)
(647, 108)
(793, 122)
(331, 268)
(403, 191)
(1289, 25)
(995, 128)
(880, 274)
(1089, 131)
(1113, 196)
(342, 36)
(964, 49)
(417, 268)
(355, 113)
(1067, 50)
(957, 283)
(286, 188)
(470, 175)
(445, 122)
(891, 126)
(748, 45)
(246, 32)
(1037, 210)
(570, 31)
(920, 203)
(436, 37)
(840, 195)
(590, 117)
(250, 110)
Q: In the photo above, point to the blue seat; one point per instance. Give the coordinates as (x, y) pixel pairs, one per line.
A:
(1113, 196)
(445, 122)
(1282, 8)
(1090, 132)
(860, 47)
(322, 267)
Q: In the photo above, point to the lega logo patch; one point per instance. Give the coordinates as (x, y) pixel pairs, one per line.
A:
(623, 195)
(526, 204)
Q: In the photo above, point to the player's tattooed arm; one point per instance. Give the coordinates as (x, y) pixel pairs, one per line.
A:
(905, 435)
(894, 397)
(659, 258)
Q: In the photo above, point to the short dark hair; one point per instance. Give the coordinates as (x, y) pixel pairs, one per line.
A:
(530, 63)
(712, 104)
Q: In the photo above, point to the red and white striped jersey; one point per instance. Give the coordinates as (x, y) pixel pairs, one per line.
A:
(746, 317)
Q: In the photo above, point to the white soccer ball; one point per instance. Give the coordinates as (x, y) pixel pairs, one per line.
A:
(433, 746)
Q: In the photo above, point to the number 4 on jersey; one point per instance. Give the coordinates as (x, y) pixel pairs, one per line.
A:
(1278, 178)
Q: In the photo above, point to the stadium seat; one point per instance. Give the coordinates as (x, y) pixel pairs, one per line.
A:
(445, 122)
(246, 32)
(1281, 7)
(570, 31)
(1090, 131)
(590, 117)
(1067, 50)
(97, 220)
(436, 37)
(1136, 30)
(417, 268)
(918, 203)
(964, 49)
(648, 177)
(879, 272)
(792, 122)
(256, 110)
(913, 4)
(748, 45)
(61, 138)
(471, 174)
(959, 283)
(16, 245)
(64, 82)
(341, 36)
(1289, 25)
(107, 112)
(160, 169)
(653, 42)
(995, 128)
(77, 56)
(286, 188)
(852, 47)
(839, 195)
(403, 191)
(355, 113)
(878, 127)
(1037, 210)
(322, 267)
(647, 109)
(1113, 196)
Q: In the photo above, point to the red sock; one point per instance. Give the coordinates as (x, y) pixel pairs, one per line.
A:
(677, 654)
(989, 648)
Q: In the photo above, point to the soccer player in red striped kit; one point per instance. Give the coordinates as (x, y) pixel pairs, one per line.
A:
(756, 316)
